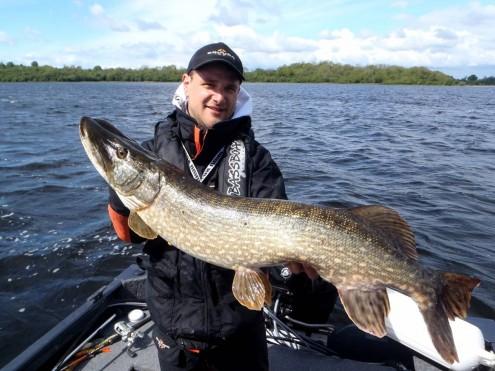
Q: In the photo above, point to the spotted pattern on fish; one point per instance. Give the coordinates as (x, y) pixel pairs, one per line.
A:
(361, 250)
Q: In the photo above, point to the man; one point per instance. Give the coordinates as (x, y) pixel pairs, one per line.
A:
(199, 324)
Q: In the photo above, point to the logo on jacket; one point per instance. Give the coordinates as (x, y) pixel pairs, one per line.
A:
(161, 344)
(236, 162)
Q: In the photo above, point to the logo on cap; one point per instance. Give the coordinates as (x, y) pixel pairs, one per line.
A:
(221, 52)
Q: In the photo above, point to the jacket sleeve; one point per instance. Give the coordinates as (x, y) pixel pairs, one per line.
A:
(119, 214)
(266, 178)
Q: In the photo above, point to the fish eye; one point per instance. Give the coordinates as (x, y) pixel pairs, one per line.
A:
(121, 152)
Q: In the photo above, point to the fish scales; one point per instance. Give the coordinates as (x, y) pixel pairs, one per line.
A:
(230, 231)
(361, 250)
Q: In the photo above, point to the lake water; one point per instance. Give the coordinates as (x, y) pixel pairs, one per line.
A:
(428, 152)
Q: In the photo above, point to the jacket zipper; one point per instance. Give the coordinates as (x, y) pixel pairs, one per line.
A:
(204, 284)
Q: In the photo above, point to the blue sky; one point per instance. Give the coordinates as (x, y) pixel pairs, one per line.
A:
(457, 36)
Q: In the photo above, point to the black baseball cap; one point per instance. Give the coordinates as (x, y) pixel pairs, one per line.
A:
(217, 52)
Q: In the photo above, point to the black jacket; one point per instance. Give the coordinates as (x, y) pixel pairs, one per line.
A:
(188, 298)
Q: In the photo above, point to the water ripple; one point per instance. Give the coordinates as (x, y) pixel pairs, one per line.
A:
(425, 151)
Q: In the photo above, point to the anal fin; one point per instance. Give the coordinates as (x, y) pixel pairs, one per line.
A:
(251, 288)
(367, 309)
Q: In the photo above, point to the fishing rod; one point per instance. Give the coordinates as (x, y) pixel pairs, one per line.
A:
(79, 347)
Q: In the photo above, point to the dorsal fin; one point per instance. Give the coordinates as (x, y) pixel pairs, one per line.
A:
(391, 225)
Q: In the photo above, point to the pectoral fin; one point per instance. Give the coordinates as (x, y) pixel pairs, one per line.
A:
(252, 288)
(367, 309)
(140, 227)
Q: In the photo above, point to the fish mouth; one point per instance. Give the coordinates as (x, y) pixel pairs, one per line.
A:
(101, 133)
(90, 126)
(96, 140)
(97, 135)
(104, 145)
(100, 145)
(102, 141)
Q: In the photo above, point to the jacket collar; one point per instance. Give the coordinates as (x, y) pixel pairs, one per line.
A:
(185, 124)
(243, 106)
(222, 135)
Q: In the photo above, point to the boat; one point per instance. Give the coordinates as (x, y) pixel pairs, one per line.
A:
(111, 330)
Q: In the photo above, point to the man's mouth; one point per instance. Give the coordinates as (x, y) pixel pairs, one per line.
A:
(216, 109)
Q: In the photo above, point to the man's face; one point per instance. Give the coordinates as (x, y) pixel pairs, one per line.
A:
(212, 93)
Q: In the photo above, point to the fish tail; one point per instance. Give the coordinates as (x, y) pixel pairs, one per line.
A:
(438, 326)
(456, 293)
(453, 301)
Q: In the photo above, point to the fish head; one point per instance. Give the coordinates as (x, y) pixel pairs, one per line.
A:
(126, 166)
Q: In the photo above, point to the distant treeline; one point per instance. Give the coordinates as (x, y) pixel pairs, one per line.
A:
(344, 73)
(473, 80)
(297, 72)
(10, 72)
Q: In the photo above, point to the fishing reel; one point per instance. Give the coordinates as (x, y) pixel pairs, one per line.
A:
(128, 330)
(298, 299)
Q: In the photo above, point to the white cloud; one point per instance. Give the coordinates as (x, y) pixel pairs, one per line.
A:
(445, 34)
(7, 40)
(472, 16)
(102, 19)
(32, 34)
(96, 9)
(4, 38)
(231, 14)
(453, 37)
(399, 4)
(407, 47)
(117, 26)
(420, 41)
(155, 33)
(144, 25)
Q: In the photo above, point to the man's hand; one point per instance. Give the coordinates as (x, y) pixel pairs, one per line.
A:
(297, 268)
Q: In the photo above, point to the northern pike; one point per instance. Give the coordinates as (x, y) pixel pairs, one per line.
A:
(361, 250)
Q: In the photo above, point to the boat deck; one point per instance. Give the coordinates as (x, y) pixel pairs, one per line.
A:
(144, 357)
(281, 358)
(104, 316)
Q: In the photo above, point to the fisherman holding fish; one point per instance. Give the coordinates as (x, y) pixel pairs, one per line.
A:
(199, 323)
(363, 251)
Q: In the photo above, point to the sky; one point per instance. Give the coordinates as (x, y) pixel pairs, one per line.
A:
(453, 36)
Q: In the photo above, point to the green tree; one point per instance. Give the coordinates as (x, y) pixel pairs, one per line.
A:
(326, 71)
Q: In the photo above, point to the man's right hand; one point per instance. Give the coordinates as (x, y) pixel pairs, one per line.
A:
(297, 268)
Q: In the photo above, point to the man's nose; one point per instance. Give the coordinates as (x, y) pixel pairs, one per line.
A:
(218, 96)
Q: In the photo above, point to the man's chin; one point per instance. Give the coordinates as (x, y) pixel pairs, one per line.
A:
(210, 123)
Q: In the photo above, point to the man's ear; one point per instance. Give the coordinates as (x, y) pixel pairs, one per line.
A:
(186, 79)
